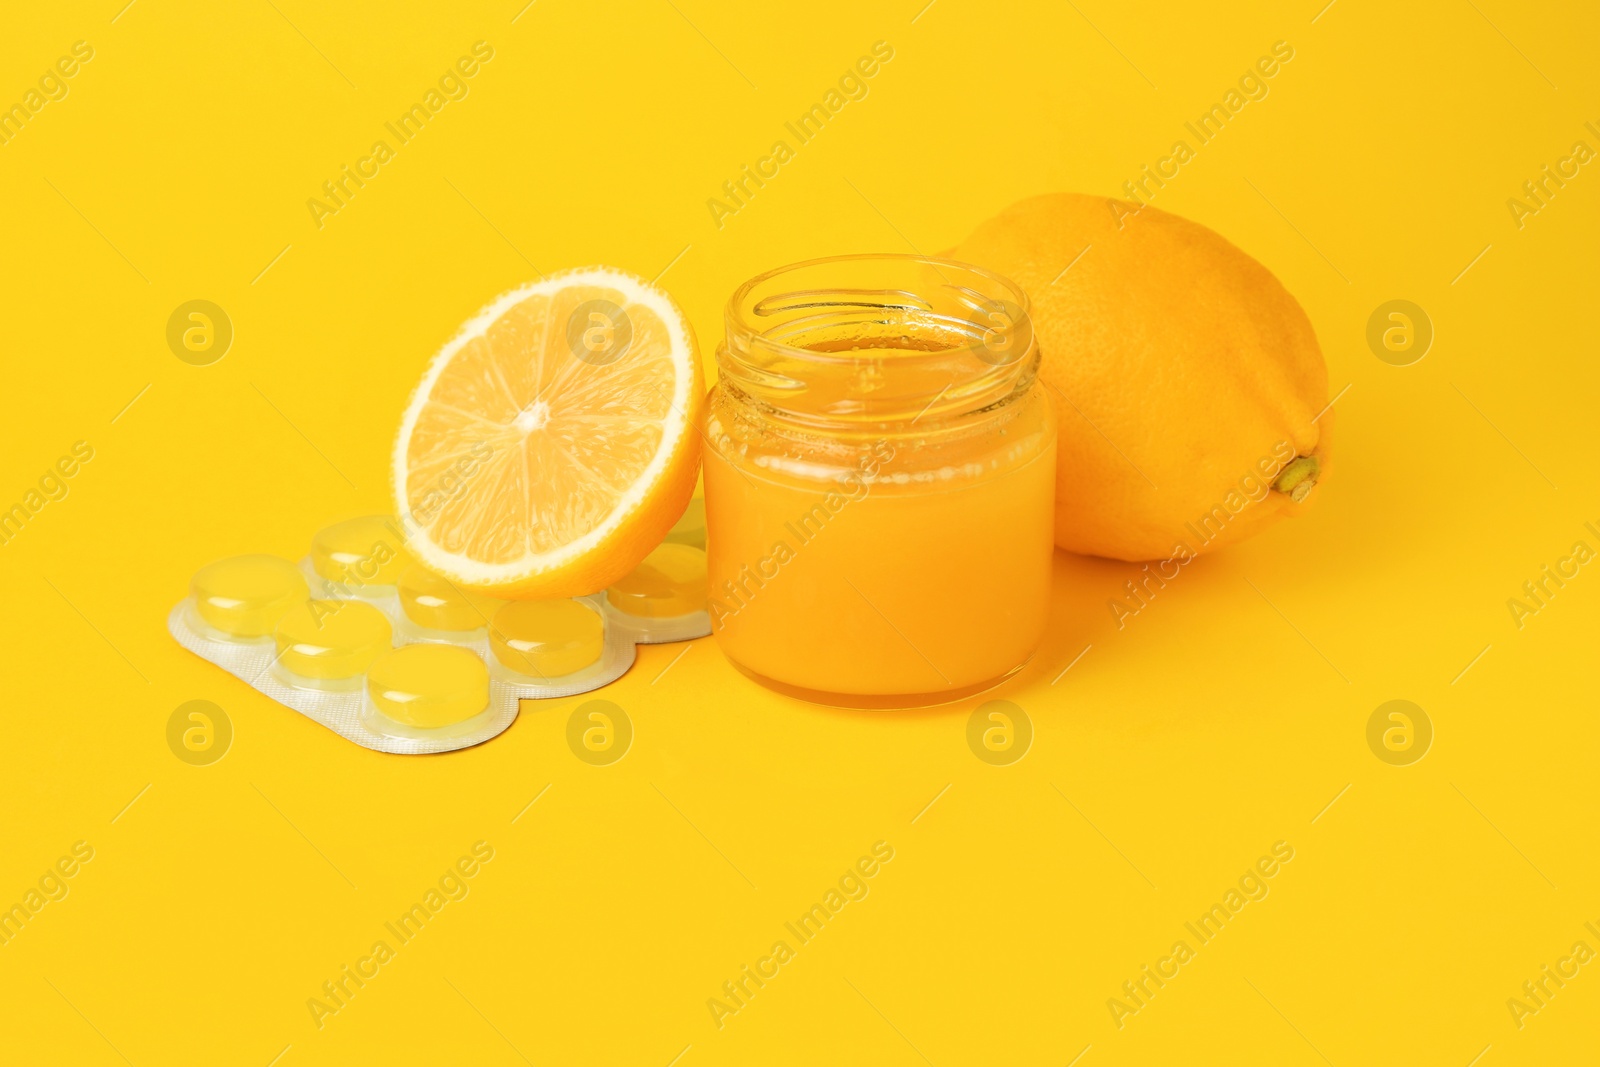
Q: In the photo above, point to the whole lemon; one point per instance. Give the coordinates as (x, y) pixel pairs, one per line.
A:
(1188, 383)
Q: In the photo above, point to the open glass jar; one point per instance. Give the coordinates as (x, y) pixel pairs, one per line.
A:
(879, 481)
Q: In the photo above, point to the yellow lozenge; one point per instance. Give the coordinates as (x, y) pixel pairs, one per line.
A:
(547, 638)
(670, 582)
(360, 552)
(429, 685)
(246, 595)
(331, 639)
(439, 604)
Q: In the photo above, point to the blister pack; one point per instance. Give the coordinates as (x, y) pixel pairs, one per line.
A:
(396, 658)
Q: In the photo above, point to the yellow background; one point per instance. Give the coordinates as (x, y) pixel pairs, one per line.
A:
(1221, 719)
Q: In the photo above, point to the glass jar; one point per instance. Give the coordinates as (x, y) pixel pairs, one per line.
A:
(879, 481)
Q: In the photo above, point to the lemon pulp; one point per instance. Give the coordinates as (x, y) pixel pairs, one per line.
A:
(546, 638)
(246, 595)
(331, 639)
(670, 582)
(429, 685)
(357, 552)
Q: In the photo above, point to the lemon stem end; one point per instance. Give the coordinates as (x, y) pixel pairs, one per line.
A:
(1298, 478)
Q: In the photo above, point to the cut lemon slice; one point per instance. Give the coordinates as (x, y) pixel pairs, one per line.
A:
(553, 443)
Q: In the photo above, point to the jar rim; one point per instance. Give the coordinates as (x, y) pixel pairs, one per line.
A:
(934, 330)
(735, 317)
